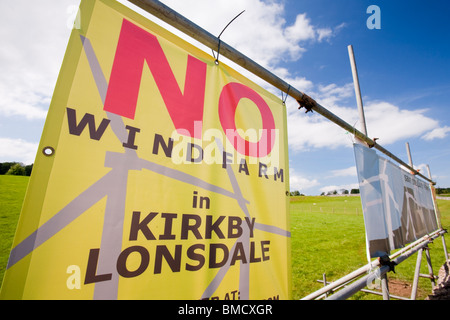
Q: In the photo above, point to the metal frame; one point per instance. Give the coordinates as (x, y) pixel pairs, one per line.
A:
(362, 282)
(368, 269)
(384, 280)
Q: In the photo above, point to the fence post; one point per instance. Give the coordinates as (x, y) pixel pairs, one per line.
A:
(445, 248)
(408, 151)
(357, 89)
(325, 283)
(430, 267)
(436, 210)
(416, 275)
(385, 287)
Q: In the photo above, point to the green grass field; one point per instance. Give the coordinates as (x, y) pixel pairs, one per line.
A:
(12, 193)
(327, 237)
(324, 241)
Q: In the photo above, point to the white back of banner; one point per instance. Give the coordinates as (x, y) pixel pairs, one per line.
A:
(398, 207)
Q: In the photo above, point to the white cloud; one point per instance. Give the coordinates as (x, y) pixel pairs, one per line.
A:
(324, 34)
(17, 150)
(261, 32)
(299, 182)
(390, 123)
(301, 30)
(34, 38)
(16, 102)
(314, 131)
(385, 121)
(334, 93)
(32, 52)
(438, 133)
(349, 172)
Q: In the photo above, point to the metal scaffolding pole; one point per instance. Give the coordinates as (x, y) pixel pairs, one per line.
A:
(438, 219)
(362, 118)
(183, 24)
(362, 282)
(375, 263)
(408, 151)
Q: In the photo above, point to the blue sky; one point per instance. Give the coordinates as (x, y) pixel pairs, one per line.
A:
(404, 71)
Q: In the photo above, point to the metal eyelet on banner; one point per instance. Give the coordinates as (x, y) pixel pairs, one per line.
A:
(48, 151)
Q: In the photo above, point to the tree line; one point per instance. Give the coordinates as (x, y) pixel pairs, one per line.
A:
(442, 190)
(15, 169)
(335, 192)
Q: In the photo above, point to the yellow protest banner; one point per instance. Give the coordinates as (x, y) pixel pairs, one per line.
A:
(159, 175)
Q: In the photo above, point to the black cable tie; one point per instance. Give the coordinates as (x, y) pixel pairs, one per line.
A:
(307, 103)
(386, 261)
(218, 53)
